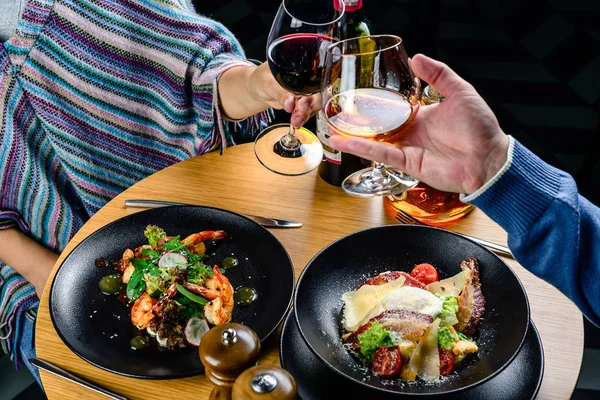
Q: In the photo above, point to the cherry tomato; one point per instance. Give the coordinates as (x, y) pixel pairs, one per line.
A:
(426, 273)
(446, 362)
(387, 362)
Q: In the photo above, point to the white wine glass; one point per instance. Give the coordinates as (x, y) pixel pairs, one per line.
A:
(369, 91)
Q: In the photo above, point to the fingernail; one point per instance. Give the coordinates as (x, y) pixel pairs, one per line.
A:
(298, 120)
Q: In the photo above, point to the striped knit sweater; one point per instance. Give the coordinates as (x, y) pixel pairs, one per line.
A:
(96, 95)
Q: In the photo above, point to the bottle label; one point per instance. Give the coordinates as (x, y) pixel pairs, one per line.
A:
(331, 155)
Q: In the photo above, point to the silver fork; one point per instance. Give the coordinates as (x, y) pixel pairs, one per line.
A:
(407, 219)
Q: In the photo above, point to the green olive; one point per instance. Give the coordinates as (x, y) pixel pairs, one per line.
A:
(110, 284)
(229, 263)
(139, 342)
(244, 296)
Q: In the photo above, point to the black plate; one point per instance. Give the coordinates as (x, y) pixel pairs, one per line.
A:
(346, 263)
(98, 328)
(521, 380)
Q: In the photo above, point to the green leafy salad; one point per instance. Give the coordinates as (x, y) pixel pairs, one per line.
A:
(173, 295)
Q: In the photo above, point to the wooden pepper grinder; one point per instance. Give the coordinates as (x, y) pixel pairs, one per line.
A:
(228, 353)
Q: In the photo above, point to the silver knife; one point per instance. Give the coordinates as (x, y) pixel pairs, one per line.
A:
(496, 248)
(53, 369)
(270, 222)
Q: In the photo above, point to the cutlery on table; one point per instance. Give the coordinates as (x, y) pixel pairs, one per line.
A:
(264, 221)
(53, 369)
(405, 218)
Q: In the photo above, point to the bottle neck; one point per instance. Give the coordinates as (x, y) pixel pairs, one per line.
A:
(355, 19)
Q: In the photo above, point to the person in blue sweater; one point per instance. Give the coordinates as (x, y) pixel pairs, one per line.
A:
(458, 146)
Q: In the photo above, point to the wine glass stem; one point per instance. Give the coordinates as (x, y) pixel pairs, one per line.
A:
(379, 171)
(290, 141)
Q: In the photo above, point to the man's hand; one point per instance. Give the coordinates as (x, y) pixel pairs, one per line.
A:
(455, 146)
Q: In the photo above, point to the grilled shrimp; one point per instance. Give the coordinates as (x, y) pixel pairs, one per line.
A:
(146, 308)
(126, 266)
(195, 244)
(220, 293)
(141, 312)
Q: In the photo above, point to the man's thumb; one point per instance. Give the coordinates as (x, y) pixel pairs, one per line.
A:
(438, 74)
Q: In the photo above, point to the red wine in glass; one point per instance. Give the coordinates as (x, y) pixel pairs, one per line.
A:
(297, 60)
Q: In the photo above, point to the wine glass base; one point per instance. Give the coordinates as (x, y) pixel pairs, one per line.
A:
(365, 183)
(284, 160)
(288, 152)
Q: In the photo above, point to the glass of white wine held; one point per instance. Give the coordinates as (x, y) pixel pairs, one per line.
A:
(371, 92)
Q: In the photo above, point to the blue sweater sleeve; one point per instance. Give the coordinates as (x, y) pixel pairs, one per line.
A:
(552, 230)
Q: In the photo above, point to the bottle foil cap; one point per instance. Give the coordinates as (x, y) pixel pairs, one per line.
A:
(351, 5)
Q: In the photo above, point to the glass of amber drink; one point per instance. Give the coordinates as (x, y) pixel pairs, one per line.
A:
(429, 205)
(368, 90)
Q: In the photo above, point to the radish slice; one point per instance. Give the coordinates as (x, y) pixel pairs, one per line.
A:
(195, 329)
(172, 260)
(162, 342)
(150, 331)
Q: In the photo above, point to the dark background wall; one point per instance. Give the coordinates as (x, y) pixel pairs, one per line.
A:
(537, 63)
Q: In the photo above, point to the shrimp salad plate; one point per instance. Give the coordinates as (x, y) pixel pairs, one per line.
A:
(137, 296)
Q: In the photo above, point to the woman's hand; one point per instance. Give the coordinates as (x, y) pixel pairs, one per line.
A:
(454, 146)
(268, 90)
(245, 91)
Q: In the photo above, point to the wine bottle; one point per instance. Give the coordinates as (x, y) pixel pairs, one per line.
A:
(336, 166)
(357, 23)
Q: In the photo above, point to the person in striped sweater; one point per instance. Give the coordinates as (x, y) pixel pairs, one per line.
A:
(95, 96)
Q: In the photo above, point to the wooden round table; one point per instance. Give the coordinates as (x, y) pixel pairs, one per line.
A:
(237, 182)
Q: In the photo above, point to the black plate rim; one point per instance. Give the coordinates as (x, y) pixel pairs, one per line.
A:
(177, 375)
(510, 360)
(543, 360)
(530, 326)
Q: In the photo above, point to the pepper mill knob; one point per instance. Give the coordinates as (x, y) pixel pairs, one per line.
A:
(226, 351)
(265, 382)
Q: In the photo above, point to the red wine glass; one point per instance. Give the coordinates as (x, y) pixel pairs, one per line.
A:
(298, 41)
